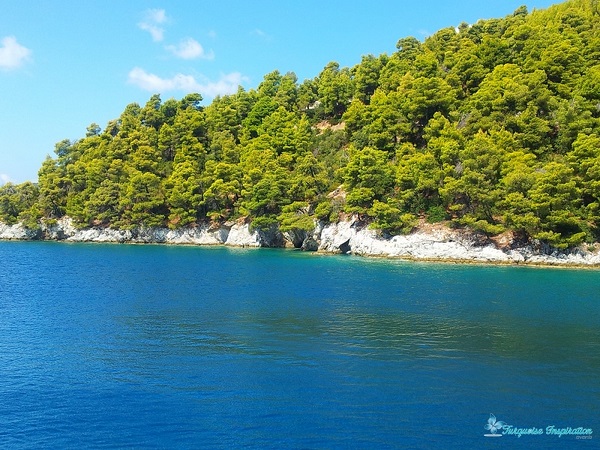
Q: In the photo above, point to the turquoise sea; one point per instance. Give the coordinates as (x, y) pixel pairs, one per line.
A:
(148, 346)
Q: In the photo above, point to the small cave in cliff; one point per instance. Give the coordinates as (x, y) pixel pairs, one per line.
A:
(345, 247)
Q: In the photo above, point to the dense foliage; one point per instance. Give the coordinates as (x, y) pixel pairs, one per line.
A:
(493, 126)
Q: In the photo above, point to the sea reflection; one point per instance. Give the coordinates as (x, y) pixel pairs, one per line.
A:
(299, 333)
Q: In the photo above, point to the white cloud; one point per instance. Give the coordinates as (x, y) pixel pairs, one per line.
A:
(227, 84)
(261, 34)
(424, 33)
(5, 179)
(12, 54)
(150, 82)
(156, 15)
(152, 19)
(189, 49)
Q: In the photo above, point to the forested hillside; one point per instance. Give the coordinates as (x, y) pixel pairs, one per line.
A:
(493, 126)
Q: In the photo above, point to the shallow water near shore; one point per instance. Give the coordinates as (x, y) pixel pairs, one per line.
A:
(164, 346)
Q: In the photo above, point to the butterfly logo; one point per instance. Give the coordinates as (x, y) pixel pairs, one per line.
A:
(494, 425)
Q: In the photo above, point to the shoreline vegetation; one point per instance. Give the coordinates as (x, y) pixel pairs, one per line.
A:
(480, 143)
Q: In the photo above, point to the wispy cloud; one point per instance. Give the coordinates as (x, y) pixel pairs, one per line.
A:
(5, 179)
(151, 82)
(261, 34)
(151, 22)
(424, 33)
(227, 83)
(189, 49)
(12, 54)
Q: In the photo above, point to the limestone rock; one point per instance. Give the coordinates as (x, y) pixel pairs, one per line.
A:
(240, 236)
(17, 232)
(271, 238)
(444, 244)
(310, 244)
(427, 242)
(295, 237)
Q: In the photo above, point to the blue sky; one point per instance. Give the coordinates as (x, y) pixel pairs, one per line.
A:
(65, 64)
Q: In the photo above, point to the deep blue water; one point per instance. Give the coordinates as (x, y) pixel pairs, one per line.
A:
(132, 346)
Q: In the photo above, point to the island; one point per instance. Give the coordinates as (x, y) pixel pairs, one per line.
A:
(480, 143)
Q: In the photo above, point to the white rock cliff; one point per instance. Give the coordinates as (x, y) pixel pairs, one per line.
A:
(433, 242)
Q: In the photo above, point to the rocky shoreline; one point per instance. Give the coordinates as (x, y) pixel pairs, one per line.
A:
(428, 242)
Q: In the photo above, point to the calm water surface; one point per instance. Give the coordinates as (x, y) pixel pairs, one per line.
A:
(183, 347)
